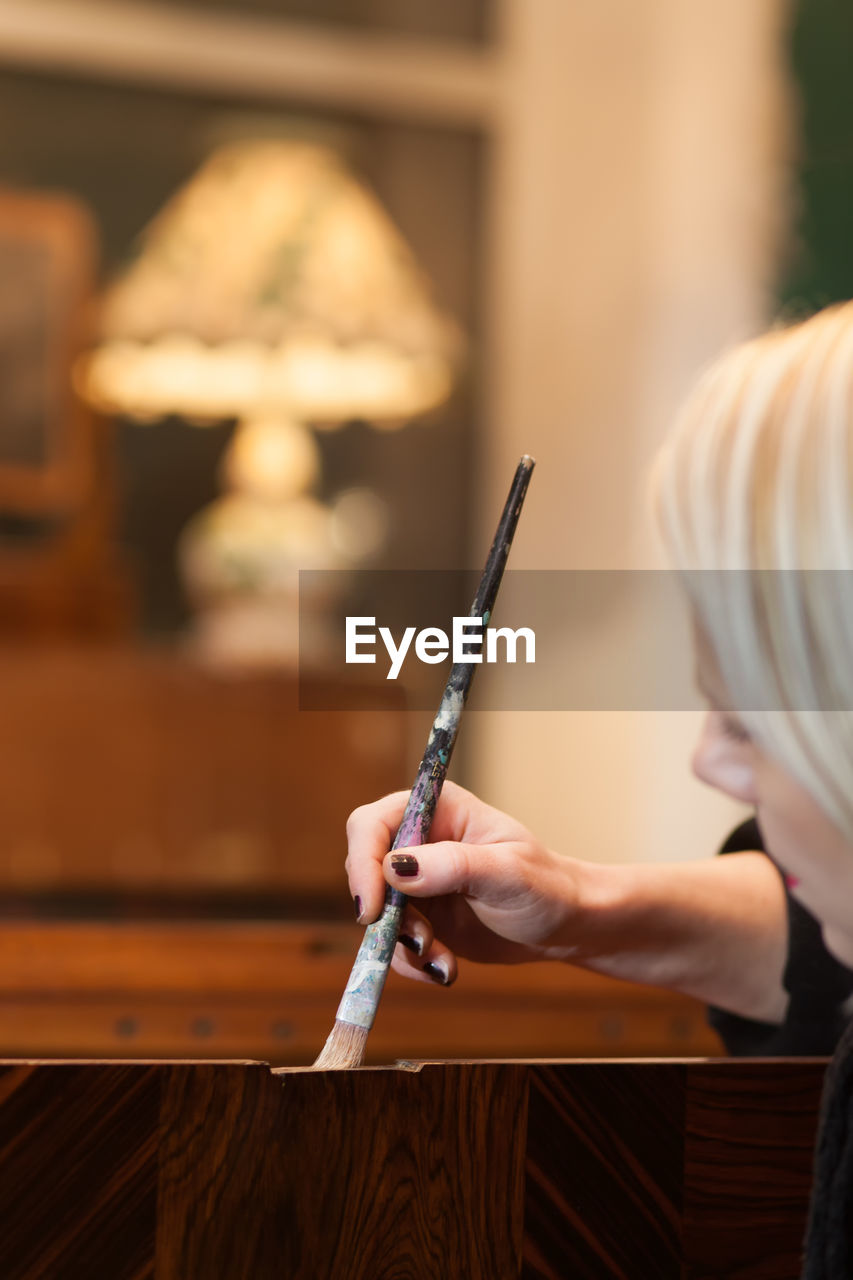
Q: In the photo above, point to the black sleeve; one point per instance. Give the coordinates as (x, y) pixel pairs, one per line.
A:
(818, 986)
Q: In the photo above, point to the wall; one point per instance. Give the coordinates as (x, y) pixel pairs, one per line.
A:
(639, 170)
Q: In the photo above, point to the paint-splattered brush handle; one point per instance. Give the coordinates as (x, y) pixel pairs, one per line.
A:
(361, 997)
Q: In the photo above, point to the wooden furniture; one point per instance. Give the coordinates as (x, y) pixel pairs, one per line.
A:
(270, 990)
(172, 882)
(138, 779)
(47, 264)
(61, 572)
(488, 1171)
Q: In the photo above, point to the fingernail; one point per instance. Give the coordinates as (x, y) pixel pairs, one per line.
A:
(404, 864)
(356, 902)
(411, 944)
(792, 881)
(436, 972)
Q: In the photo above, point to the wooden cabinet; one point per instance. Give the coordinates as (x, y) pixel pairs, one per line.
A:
(129, 775)
(488, 1171)
(270, 990)
(172, 883)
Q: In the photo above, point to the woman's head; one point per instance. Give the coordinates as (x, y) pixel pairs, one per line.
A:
(754, 492)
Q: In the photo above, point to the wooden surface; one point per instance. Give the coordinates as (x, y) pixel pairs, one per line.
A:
(270, 990)
(172, 880)
(488, 1171)
(139, 772)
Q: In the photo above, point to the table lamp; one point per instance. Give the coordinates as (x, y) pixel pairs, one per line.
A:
(274, 289)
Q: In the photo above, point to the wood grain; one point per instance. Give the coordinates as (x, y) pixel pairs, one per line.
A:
(78, 1171)
(605, 1136)
(407, 1174)
(219, 1198)
(488, 1171)
(749, 1142)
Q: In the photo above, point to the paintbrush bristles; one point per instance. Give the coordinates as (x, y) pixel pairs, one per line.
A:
(344, 1048)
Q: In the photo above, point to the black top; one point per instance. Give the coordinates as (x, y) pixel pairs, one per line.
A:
(816, 982)
(815, 1024)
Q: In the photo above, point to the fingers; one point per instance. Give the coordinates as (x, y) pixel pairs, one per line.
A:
(438, 969)
(372, 827)
(370, 832)
(473, 854)
(416, 934)
(420, 955)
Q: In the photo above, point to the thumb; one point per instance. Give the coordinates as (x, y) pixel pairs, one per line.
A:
(486, 872)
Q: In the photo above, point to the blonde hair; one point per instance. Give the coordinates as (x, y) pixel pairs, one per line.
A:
(754, 495)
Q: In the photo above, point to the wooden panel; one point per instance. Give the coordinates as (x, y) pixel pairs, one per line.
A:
(604, 1136)
(227, 1171)
(439, 1193)
(47, 265)
(78, 1171)
(132, 771)
(696, 1171)
(749, 1145)
(291, 1030)
(270, 991)
(219, 1204)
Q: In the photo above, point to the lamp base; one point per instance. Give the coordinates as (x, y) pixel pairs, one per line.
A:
(251, 633)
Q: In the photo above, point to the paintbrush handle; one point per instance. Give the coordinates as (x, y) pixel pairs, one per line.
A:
(364, 988)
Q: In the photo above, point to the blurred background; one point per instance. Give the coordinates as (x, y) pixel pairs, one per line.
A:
(292, 285)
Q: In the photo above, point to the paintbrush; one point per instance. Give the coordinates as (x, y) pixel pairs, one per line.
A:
(348, 1038)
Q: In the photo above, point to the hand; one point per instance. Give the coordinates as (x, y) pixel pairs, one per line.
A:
(486, 889)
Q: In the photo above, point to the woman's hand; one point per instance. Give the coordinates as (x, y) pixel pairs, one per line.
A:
(486, 889)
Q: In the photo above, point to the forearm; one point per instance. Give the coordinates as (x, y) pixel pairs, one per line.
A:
(715, 929)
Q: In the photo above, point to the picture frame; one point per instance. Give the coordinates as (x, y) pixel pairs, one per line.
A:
(47, 283)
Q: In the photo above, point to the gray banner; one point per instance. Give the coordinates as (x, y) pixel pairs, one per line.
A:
(604, 640)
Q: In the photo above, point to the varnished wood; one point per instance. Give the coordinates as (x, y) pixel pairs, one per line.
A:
(597, 1139)
(384, 1207)
(219, 1199)
(270, 990)
(130, 773)
(78, 1171)
(736, 1150)
(540, 1170)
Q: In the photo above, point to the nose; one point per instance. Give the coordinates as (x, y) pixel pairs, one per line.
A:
(723, 763)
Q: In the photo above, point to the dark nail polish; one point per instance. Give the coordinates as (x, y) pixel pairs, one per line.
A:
(404, 864)
(411, 944)
(436, 972)
(356, 902)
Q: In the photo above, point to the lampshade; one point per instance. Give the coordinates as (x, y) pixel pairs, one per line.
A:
(273, 280)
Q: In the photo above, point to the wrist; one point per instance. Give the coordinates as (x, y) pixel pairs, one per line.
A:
(591, 902)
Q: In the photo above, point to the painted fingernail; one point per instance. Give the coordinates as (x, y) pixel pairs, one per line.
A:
(411, 944)
(436, 972)
(356, 902)
(792, 881)
(404, 864)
